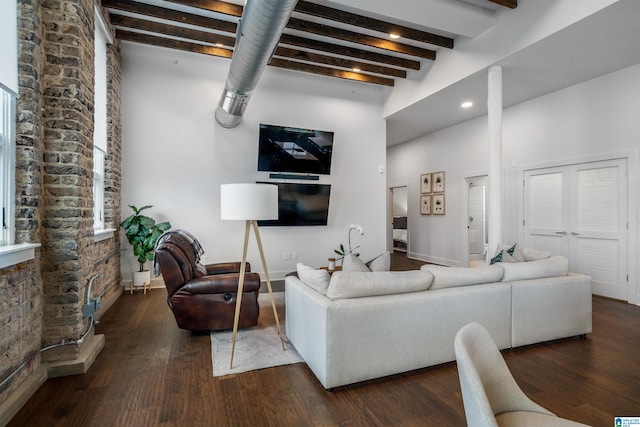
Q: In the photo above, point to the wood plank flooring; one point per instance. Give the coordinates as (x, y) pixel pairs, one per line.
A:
(151, 373)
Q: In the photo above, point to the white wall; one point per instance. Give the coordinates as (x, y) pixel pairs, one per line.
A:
(515, 29)
(175, 156)
(593, 120)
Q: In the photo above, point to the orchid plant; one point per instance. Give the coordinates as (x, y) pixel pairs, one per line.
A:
(341, 250)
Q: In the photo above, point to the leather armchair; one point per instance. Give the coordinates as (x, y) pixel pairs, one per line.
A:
(204, 297)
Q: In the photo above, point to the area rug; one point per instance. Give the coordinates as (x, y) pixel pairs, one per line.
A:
(258, 347)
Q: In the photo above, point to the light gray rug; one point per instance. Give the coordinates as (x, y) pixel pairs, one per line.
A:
(258, 347)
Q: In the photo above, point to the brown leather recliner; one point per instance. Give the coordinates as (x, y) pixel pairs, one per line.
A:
(204, 297)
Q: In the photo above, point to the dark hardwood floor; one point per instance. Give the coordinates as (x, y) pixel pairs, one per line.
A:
(152, 373)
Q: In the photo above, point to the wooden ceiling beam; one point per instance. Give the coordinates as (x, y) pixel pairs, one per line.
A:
(211, 38)
(213, 6)
(330, 72)
(350, 36)
(511, 4)
(170, 15)
(173, 44)
(216, 24)
(331, 32)
(303, 55)
(354, 19)
(227, 53)
(172, 30)
(361, 54)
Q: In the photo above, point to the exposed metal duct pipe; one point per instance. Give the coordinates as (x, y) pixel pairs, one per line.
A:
(260, 28)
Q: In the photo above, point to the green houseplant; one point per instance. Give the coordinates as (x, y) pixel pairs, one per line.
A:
(143, 233)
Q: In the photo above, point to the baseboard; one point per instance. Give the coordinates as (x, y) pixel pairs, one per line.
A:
(80, 365)
(435, 260)
(10, 407)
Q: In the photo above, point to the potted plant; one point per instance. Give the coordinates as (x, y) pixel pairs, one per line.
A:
(143, 233)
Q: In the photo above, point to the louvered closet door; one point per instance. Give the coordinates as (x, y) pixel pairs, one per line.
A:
(579, 211)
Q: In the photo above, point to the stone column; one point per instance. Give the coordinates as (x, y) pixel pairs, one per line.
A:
(67, 234)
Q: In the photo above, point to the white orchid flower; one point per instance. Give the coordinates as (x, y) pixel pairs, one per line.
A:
(357, 227)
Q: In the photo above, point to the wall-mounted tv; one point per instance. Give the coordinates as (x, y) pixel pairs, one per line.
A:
(289, 149)
(301, 204)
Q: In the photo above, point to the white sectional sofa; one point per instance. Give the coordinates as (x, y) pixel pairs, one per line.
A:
(363, 325)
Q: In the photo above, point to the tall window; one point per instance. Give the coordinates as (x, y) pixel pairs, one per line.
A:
(7, 162)
(102, 38)
(8, 91)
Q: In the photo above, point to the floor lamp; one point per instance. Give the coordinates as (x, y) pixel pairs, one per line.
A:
(250, 202)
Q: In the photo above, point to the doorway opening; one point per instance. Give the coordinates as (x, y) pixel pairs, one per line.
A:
(400, 223)
(477, 236)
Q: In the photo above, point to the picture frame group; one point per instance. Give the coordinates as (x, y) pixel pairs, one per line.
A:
(432, 201)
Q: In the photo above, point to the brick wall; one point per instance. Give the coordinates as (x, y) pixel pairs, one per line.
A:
(41, 300)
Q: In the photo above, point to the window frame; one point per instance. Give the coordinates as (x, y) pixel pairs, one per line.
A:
(102, 39)
(7, 165)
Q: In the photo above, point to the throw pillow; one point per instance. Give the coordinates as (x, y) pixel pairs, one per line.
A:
(353, 263)
(380, 263)
(503, 256)
(314, 278)
(534, 254)
(513, 250)
(497, 258)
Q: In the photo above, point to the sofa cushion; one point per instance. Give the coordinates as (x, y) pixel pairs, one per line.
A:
(314, 278)
(353, 263)
(356, 284)
(534, 254)
(380, 263)
(548, 267)
(449, 277)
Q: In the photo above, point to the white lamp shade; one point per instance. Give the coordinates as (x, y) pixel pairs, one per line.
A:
(248, 201)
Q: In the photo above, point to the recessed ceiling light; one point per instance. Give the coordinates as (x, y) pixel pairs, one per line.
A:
(394, 36)
(466, 104)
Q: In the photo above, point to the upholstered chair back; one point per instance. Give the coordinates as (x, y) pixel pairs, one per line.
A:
(176, 265)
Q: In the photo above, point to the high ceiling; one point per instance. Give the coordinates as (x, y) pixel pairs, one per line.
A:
(601, 43)
(333, 39)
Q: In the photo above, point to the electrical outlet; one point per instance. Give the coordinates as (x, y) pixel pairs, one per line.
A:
(286, 256)
(294, 255)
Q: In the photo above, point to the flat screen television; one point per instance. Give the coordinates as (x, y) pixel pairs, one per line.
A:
(289, 149)
(300, 204)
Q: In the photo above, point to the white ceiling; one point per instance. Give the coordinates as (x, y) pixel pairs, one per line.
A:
(599, 44)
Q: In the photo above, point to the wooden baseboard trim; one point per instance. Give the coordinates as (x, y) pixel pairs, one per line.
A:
(18, 398)
(80, 365)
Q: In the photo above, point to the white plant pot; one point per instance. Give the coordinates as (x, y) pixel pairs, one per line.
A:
(141, 278)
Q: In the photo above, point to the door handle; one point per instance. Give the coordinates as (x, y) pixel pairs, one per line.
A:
(564, 233)
(573, 233)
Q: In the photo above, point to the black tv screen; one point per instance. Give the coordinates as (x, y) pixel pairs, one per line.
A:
(289, 149)
(301, 204)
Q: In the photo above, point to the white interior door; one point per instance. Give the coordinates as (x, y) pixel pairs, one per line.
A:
(580, 211)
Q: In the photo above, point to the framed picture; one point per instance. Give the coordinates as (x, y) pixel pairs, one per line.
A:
(425, 183)
(425, 204)
(438, 182)
(438, 204)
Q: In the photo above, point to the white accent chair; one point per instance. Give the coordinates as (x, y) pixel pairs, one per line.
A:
(490, 394)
